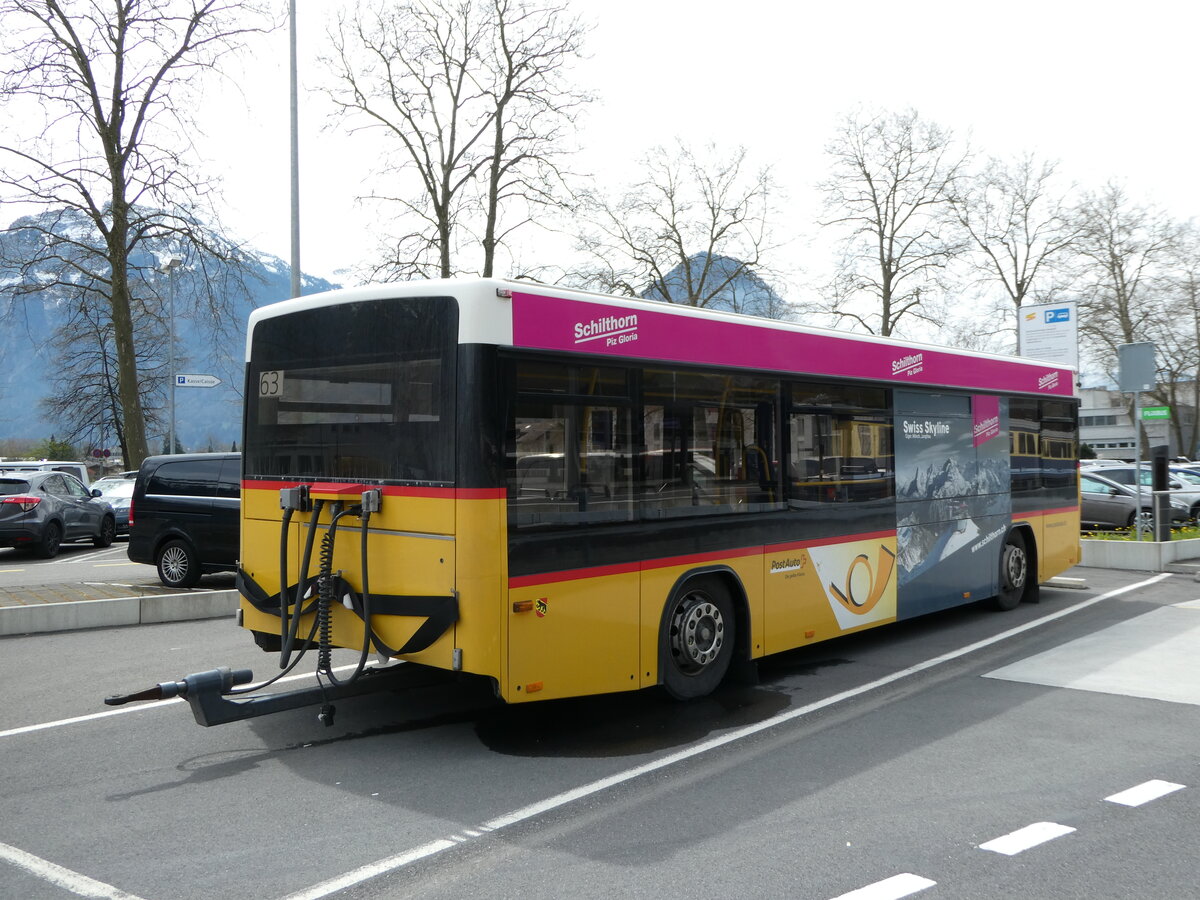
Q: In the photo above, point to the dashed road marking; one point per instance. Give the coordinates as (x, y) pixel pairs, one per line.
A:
(1144, 793)
(892, 888)
(1024, 838)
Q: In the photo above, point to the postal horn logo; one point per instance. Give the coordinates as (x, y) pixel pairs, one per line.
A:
(864, 586)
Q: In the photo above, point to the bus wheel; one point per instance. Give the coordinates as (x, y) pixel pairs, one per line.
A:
(700, 639)
(1014, 572)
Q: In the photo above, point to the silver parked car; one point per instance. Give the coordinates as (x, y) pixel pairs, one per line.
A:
(118, 491)
(1183, 489)
(1110, 504)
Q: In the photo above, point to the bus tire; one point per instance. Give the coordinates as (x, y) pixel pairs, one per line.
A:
(700, 638)
(1014, 572)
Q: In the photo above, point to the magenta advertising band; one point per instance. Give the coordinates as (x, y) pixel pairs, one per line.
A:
(554, 323)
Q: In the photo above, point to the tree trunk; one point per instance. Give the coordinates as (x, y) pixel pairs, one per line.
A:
(134, 434)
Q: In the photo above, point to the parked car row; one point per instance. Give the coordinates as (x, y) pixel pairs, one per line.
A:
(41, 509)
(1108, 503)
(181, 512)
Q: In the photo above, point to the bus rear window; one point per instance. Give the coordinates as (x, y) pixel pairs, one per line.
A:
(354, 390)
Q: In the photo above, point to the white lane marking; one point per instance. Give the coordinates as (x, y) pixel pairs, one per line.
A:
(890, 888)
(520, 815)
(139, 707)
(91, 555)
(1024, 838)
(77, 884)
(367, 872)
(1144, 793)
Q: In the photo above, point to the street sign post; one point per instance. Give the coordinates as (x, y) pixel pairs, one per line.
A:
(197, 381)
(1137, 372)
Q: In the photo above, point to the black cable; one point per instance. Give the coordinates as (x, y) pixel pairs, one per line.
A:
(283, 574)
(301, 588)
(325, 588)
(323, 665)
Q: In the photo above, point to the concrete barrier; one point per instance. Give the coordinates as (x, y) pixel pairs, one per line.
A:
(117, 611)
(1137, 556)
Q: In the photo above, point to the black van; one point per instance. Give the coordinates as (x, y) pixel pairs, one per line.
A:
(185, 515)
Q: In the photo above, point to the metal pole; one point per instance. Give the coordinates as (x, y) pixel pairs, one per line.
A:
(171, 294)
(168, 269)
(1137, 469)
(295, 153)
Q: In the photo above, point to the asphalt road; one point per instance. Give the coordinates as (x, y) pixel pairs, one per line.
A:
(886, 764)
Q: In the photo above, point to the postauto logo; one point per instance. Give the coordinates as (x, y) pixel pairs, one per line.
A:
(859, 578)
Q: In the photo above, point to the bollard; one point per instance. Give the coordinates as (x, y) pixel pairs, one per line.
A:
(1162, 515)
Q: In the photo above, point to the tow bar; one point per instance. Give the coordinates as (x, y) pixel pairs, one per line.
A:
(206, 693)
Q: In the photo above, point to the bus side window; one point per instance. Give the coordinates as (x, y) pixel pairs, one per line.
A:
(569, 463)
(837, 457)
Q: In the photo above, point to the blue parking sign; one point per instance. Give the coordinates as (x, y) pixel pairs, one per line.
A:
(1058, 315)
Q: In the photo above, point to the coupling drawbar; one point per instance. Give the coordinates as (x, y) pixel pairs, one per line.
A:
(213, 694)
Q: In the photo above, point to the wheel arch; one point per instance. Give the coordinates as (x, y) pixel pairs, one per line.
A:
(741, 612)
(166, 536)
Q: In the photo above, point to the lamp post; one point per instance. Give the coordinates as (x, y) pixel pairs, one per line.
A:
(167, 268)
(295, 146)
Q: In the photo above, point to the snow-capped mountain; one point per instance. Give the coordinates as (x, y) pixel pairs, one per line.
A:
(36, 305)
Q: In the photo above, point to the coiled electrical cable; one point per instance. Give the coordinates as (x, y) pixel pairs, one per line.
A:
(326, 598)
(289, 639)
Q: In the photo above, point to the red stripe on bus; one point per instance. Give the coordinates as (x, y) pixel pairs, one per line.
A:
(574, 574)
(825, 542)
(1065, 510)
(691, 559)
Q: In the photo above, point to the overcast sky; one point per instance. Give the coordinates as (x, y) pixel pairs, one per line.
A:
(1107, 88)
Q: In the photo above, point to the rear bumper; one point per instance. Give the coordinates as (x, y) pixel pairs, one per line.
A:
(19, 535)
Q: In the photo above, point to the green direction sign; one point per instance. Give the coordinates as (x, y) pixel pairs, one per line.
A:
(1155, 413)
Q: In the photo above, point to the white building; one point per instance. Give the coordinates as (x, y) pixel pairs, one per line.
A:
(1106, 425)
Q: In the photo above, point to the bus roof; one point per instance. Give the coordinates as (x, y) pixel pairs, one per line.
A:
(542, 317)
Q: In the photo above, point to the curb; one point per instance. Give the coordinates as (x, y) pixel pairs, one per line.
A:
(116, 611)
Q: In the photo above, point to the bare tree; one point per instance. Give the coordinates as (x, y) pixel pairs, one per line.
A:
(113, 80)
(1124, 253)
(1018, 225)
(1176, 334)
(696, 229)
(85, 396)
(892, 180)
(474, 97)
(1123, 249)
